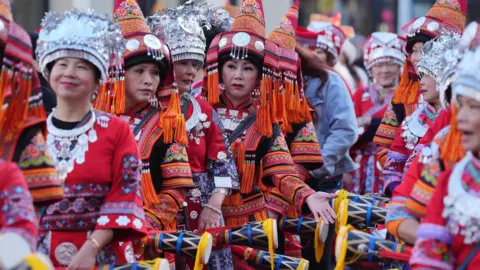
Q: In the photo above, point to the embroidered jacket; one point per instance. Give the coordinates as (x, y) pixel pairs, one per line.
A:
(209, 156)
(17, 212)
(406, 139)
(100, 167)
(261, 162)
(411, 197)
(305, 151)
(366, 177)
(450, 231)
(103, 190)
(165, 166)
(29, 151)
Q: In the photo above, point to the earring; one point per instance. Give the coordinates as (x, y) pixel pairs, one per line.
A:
(95, 95)
(256, 93)
(153, 101)
(221, 86)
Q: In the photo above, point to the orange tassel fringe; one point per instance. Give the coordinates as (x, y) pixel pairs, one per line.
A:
(407, 91)
(452, 149)
(172, 122)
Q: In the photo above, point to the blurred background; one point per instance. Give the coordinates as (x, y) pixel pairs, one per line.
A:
(366, 16)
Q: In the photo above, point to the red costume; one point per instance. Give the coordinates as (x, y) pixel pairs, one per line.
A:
(449, 233)
(366, 178)
(18, 214)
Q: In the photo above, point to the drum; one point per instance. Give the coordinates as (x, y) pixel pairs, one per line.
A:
(255, 234)
(262, 258)
(356, 246)
(367, 199)
(361, 216)
(309, 228)
(183, 244)
(157, 264)
(303, 226)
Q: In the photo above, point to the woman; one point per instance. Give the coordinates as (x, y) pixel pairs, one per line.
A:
(213, 168)
(448, 236)
(414, 127)
(336, 129)
(22, 124)
(414, 130)
(253, 137)
(384, 54)
(449, 15)
(94, 152)
(294, 116)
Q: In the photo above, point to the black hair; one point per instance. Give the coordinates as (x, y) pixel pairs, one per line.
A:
(420, 37)
(448, 94)
(34, 38)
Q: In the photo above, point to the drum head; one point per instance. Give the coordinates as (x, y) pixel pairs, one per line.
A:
(208, 250)
(341, 237)
(163, 265)
(275, 235)
(13, 248)
(323, 234)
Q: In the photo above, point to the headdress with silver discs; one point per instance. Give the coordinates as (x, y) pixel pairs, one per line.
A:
(246, 40)
(436, 55)
(180, 29)
(144, 47)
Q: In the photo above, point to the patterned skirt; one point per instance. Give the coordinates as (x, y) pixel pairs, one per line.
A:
(188, 217)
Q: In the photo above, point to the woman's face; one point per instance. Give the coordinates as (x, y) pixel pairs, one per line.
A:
(185, 73)
(428, 88)
(386, 74)
(73, 79)
(240, 78)
(141, 82)
(468, 122)
(416, 54)
(322, 55)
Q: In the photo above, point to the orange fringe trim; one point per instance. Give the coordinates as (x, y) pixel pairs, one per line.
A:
(452, 149)
(213, 88)
(172, 122)
(264, 113)
(13, 118)
(407, 91)
(148, 190)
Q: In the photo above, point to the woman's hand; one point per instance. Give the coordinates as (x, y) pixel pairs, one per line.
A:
(210, 218)
(320, 207)
(85, 259)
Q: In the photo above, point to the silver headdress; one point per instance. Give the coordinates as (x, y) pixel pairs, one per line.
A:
(451, 57)
(81, 34)
(433, 54)
(384, 47)
(209, 15)
(181, 32)
(466, 81)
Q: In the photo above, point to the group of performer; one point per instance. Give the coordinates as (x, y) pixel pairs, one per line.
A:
(191, 138)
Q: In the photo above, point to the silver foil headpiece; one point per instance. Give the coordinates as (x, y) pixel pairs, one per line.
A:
(208, 15)
(466, 81)
(181, 32)
(80, 34)
(433, 54)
